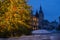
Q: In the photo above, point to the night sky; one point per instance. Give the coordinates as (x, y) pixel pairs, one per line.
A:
(51, 8)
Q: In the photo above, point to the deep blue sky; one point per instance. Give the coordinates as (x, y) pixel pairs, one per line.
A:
(51, 8)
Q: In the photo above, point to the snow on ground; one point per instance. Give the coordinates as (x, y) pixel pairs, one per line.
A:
(43, 35)
(40, 31)
(35, 37)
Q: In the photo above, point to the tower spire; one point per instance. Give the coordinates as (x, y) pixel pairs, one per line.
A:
(41, 17)
(41, 12)
(37, 15)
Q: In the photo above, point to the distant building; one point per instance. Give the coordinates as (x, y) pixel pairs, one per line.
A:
(41, 18)
(38, 21)
(53, 24)
(45, 24)
(35, 21)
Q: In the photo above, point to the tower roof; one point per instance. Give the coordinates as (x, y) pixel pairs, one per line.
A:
(37, 15)
(41, 11)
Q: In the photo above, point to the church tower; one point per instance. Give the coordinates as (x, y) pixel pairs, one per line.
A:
(41, 18)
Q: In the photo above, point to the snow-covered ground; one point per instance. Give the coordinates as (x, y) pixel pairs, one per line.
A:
(38, 35)
(53, 36)
(40, 31)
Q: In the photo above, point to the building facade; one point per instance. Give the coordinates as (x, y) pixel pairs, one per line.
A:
(38, 18)
(41, 18)
(38, 21)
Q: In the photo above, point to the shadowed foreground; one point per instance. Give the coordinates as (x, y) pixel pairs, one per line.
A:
(36, 37)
